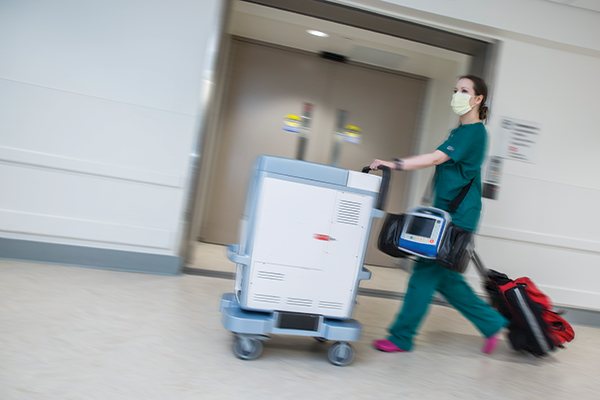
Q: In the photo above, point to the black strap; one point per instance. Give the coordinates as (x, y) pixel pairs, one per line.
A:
(453, 206)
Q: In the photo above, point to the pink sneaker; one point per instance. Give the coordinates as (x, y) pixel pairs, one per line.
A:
(491, 343)
(387, 346)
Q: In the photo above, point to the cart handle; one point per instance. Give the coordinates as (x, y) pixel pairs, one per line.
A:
(385, 184)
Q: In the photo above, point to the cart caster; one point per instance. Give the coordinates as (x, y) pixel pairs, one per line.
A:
(341, 354)
(247, 348)
(320, 339)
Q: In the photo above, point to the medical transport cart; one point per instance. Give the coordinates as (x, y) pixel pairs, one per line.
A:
(303, 239)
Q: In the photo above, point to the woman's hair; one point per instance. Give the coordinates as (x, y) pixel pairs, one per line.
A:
(480, 89)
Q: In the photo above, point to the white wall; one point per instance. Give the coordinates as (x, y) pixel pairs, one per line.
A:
(534, 18)
(544, 223)
(101, 103)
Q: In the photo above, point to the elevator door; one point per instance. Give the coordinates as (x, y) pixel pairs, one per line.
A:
(266, 83)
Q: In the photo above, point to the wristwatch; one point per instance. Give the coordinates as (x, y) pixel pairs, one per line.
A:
(399, 164)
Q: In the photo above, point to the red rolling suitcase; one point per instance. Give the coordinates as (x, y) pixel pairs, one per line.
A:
(534, 326)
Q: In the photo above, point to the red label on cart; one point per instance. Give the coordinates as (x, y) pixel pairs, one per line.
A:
(324, 238)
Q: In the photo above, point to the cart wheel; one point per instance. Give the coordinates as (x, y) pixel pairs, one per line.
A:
(320, 339)
(247, 349)
(341, 354)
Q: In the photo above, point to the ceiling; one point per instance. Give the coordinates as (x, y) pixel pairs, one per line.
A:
(289, 29)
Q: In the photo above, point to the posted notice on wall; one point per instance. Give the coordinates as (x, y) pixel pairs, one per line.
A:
(521, 139)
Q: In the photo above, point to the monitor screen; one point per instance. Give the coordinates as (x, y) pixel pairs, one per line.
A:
(420, 226)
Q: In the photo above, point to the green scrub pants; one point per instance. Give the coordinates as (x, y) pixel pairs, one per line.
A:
(427, 278)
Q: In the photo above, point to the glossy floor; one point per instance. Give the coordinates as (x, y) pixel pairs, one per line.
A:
(77, 333)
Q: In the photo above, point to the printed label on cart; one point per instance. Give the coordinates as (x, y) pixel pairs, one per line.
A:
(324, 238)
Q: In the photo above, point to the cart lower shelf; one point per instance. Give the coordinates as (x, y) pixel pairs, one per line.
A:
(252, 327)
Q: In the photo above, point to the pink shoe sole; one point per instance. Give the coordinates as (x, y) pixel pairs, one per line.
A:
(387, 346)
(490, 344)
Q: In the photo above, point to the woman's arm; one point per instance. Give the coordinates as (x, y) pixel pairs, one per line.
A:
(415, 162)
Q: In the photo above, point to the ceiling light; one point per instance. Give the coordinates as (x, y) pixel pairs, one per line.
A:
(317, 33)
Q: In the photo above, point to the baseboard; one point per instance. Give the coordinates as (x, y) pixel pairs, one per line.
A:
(89, 257)
(574, 315)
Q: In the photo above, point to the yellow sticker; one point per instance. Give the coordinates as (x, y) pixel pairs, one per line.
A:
(292, 123)
(352, 134)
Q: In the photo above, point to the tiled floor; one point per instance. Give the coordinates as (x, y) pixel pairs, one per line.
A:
(70, 333)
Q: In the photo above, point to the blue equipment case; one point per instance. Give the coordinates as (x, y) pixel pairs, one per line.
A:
(423, 231)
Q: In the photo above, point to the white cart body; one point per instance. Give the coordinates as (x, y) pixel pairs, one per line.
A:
(303, 240)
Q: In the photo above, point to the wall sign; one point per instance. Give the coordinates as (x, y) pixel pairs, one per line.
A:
(521, 139)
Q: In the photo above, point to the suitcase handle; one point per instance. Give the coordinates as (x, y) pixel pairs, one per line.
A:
(385, 185)
(480, 266)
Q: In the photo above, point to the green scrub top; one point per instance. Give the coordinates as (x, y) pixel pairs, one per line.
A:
(466, 148)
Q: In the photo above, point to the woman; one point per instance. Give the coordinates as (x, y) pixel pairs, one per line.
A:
(458, 161)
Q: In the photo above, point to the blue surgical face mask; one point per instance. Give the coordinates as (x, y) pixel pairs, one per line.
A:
(460, 103)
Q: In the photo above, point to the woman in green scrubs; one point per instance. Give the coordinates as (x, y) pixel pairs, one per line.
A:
(458, 160)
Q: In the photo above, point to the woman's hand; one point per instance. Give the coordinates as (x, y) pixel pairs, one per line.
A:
(376, 163)
(415, 162)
